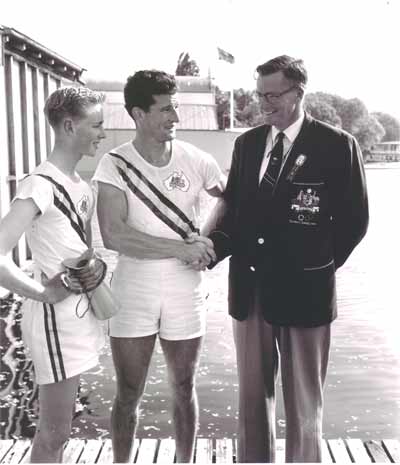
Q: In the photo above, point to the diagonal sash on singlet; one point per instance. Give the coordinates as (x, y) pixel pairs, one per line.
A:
(174, 209)
(64, 203)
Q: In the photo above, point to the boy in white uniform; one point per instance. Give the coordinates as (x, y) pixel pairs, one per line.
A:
(148, 209)
(53, 206)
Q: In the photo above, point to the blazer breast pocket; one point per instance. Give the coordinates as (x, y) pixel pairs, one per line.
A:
(307, 203)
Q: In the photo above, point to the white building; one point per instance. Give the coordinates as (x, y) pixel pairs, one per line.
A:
(385, 151)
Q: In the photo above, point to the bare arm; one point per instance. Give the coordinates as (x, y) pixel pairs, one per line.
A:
(112, 211)
(13, 225)
(89, 234)
(210, 223)
(217, 191)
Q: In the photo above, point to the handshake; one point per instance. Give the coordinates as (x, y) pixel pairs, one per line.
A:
(198, 252)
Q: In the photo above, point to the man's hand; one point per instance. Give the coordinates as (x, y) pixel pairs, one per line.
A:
(202, 252)
(92, 275)
(66, 283)
(86, 276)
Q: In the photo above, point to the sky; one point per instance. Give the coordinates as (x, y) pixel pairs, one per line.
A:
(350, 47)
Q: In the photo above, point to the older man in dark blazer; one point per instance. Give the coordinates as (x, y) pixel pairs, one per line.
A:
(295, 208)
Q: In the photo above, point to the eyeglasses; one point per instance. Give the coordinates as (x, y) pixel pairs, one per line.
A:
(273, 98)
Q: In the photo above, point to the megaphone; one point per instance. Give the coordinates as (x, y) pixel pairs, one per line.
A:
(102, 301)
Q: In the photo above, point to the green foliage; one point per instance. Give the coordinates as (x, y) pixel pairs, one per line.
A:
(391, 126)
(321, 108)
(349, 114)
(222, 103)
(368, 131)
(186, 66)
(247, 109)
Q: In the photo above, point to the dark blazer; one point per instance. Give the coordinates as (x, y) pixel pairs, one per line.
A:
(289, 247)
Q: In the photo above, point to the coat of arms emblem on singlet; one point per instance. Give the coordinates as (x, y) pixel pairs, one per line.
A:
(177, 180)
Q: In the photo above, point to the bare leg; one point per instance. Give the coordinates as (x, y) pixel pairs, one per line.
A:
(56, 407)
(182, 360)
(131, 358)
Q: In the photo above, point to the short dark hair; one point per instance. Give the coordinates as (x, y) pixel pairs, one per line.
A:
(70, 101)
(143, 85)
(293, 69)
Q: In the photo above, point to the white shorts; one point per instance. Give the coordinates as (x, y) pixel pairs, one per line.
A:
(60, 344)
(158, 296)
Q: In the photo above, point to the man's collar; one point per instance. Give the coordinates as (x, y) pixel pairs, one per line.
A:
(292, 131)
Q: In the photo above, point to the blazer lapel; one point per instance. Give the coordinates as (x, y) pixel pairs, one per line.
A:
(256, 156)
(299, 148)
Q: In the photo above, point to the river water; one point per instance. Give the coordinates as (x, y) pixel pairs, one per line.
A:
(362, 394)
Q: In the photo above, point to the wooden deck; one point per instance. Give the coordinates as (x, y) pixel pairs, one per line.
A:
(207, 451)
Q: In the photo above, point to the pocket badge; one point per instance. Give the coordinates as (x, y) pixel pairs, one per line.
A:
(305, 207)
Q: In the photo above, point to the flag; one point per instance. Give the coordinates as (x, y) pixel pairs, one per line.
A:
(223, 55)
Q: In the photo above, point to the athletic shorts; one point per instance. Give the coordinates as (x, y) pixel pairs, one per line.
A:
(158, 296)
(60, 344)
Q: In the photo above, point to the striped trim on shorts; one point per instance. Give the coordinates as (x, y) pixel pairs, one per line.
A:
(53, 343)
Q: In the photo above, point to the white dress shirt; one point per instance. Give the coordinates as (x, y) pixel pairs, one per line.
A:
(291, 132)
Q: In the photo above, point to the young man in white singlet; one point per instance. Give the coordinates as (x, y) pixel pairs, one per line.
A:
(53, 207)
(148, 209)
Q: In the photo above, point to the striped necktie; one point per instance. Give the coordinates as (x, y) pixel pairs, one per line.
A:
(274, 166)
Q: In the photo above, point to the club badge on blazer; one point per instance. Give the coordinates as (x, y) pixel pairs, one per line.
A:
(300, 160)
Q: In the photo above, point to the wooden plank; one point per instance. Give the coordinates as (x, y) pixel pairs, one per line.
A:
(204, 450)
(376, 450)
(73, 450)
(326, 455)
(36, 111)
(41, 116)
(5, 446)
(147, 451)
(339, 451)
(24, 117)
(280, 451)
(135, 448)
(224, 450)
(106, 453)
(166, 451)
(91, 451)
(235, 450)
(4, 171)
(18, 148)
(358, 451)
(47, 126)
(30, 119)
(8, 73)
(17, 452)
(97, 451)
(392, 447)
(27, 457)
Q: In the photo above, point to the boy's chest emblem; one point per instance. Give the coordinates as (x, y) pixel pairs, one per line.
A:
(83, 205)
(177, 180)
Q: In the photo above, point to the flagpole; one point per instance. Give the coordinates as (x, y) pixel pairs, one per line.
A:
(229, 58)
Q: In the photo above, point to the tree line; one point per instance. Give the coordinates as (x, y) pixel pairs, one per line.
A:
(349, 114)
